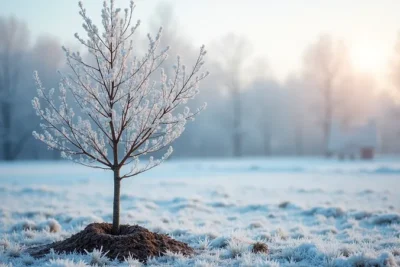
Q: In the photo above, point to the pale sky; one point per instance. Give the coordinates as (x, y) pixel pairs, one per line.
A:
(279, 30)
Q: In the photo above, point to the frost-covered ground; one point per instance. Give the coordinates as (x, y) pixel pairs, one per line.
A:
(310, 212)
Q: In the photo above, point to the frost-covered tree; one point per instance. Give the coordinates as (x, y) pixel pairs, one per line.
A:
(124, 113)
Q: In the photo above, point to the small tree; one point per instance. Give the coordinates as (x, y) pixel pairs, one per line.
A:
(123, 113)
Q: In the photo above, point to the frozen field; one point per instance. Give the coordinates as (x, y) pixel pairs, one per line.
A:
(310, 212)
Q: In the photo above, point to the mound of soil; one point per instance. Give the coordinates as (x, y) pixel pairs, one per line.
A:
(136, 241)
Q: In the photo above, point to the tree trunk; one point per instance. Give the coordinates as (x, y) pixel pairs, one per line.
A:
(327, 132)
(299, 139)
(267, 143)
(7, 146)
(116, 206)
(237, 124)
(328, 116)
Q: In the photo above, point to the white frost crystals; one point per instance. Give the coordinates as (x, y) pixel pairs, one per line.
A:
(123, 112)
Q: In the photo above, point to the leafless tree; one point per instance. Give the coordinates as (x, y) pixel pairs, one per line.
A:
(234, 51)
(123, 112)
(324, 63)
(13, 45)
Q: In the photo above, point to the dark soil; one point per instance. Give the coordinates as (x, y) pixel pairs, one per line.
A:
(136, 241)
(260, 248)
(284, 204)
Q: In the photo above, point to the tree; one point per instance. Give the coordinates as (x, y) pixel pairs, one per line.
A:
(13, 46)
(123, 113)
(233, 51)
(325, 62)
(298, 100)
(262, 97)
(395, 66)
(390, 104)
(264, 103)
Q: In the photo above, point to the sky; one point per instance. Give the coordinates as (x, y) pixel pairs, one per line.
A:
(279, 30)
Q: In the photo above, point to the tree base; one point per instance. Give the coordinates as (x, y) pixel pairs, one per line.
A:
(134, 241)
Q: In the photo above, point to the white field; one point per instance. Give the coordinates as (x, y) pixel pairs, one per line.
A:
(337, 213)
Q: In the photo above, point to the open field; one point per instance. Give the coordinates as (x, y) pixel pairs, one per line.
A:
(310, 212)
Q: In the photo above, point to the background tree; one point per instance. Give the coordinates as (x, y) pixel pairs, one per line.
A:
(46, 57)
(14, 43)
(395, 67)
(124, 115)
(390, 105)
(263, 99)
(233, 52)
(298, 107)
(325, 63)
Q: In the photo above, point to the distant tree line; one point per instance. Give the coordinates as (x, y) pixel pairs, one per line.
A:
(249, 112)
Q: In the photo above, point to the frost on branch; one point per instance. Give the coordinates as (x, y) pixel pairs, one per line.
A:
(124, 114)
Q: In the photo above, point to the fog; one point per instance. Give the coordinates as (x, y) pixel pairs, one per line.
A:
(249, 111)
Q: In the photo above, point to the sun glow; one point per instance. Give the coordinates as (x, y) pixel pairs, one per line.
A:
(369, 58)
